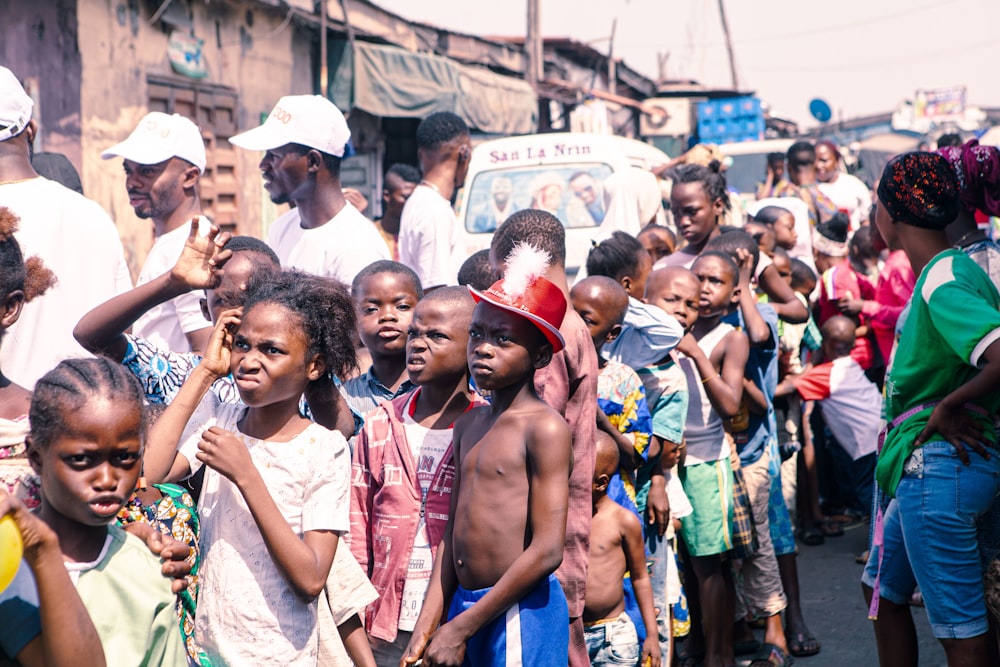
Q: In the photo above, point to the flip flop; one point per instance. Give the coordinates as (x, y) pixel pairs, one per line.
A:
(798, 645)
(812, 537)
(771, 656)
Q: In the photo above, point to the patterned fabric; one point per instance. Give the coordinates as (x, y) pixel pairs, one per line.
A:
(366, 392)
(820, 206)
(161, 373)
(977, 169)
(744, 535)
(174, 514)
(16, 475)
(920, 188)
(621, 396)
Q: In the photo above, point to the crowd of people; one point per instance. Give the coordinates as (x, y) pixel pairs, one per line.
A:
(350, 445)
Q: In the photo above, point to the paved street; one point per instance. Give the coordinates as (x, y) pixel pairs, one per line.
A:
(836, 612)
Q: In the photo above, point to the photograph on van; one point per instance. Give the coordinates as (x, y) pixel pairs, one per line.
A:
(574, 193)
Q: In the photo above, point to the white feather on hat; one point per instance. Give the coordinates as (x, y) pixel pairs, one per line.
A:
(525, 264)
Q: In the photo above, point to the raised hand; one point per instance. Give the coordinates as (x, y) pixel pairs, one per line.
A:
(220, 345)
(201, 261)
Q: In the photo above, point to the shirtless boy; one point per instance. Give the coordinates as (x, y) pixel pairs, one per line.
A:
(512, 479)
(616, 548)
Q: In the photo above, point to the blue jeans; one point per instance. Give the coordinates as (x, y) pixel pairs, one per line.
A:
(658, 551)
(613, 642)
(939, 507)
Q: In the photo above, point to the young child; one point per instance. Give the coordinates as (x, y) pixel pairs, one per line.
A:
(715, 355)
(851, 406)
(622, 258)
(385, 294)
(275, 483)
(21, 280)
(507, 525)
(616, 551)
(403, 467)
(64, 634)
(476, 271)
(86, 443)
(675, 291)
(659, 241)
(781, 221)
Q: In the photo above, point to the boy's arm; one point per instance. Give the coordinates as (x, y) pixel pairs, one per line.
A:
(657, 500)
(635, 560)
(756, 401)
(549, 459)
(101, 331)
(724, 387)
(304, 563)
(756, 328)
(648, 334)
(781, 297)
(161, 462)
(362, 500)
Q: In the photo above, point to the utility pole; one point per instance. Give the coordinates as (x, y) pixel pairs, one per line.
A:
(533, 47)
(612, 68)
(324, 74)
(729, 44)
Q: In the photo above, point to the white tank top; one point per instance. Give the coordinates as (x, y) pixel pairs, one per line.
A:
(703, 432)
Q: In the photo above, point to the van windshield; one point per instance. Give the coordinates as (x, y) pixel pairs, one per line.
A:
(573, 192)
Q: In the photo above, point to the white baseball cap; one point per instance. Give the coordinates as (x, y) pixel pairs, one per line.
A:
(159, 137)
(15, 105)
(309, 120)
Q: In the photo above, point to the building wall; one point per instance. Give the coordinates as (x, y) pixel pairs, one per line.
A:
(249, 48)
(38, 42)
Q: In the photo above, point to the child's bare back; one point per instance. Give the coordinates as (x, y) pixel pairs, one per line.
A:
(609, 530)
(501, 458)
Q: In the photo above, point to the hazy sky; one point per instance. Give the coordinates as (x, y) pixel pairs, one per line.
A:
(862, 56)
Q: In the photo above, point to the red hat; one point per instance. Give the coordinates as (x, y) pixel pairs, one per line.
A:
(524, 291)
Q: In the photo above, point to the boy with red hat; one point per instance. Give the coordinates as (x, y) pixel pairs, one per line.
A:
(507, 524)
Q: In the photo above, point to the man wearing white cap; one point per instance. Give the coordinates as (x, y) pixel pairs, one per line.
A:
(71, 234)
(163, 159)
(304, 140)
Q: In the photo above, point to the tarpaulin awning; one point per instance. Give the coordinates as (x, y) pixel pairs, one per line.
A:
(389, 81)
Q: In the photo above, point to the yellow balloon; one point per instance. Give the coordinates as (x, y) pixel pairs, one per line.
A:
(11, 550)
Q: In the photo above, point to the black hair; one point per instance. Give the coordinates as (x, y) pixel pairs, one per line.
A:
(731, 239)
(476, 271)
(801, 154)
(538, 228)
(388, 266)
(835, 228)
(949, 139)
(862, 244)
(69, 386)
(30, 275)
(775, 157)
(802, 273)
(457, 299)
(407, 172)
(440, 128)
(727, 259)
(711, 180)
(324, 308)
(615, 257)
(770, 214)
(250, 244)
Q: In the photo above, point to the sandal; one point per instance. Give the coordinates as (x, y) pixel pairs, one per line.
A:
(811, 537)
(771, 656)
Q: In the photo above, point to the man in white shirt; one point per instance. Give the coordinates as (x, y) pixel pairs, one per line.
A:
(71, 234)
(428, 232)
(304, 140)
(164, 158)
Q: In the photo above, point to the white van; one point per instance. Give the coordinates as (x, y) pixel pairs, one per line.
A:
(749, 164)
(560, 172)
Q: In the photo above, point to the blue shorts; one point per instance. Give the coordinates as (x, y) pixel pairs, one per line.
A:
(534, 631)
(938, 505)
(897, 582)
(779, 520)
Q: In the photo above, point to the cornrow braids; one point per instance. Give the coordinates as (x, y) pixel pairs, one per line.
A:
(71, 385)
(324, 308)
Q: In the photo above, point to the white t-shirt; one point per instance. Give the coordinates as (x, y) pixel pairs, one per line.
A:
(339, 248)
(77, 240)
(428, 237)
(165, 325)
(851, 194)
(248, 613)
(428, 447)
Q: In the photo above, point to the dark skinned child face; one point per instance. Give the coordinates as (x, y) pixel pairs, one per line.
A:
(385, 303)
(598, 312)
(718, 286)
(503, 347)
(695, 215)
(677, 295)
(436, 343)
